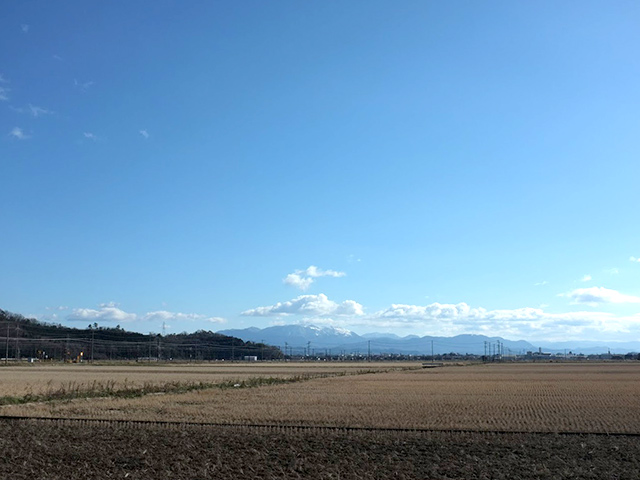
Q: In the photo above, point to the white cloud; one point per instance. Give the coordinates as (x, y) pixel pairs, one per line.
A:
(539, 284)
(33, 110)
(634, 259)
(594, 296)
(298, 281)
(110, 312)
(612, 271)
(215, 320)
(303, 279)
(144, 133)
(90, 136)
(314, 305)
(315, 272)
(103, 314)
(586, 278)
(25, 28)
(18, 133)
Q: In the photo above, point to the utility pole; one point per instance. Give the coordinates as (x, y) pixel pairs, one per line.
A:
(285, 349)
(233, 350)
(6, 350)
(92, 338)
(369, 350)
(432, 357)
(308, 348)
(17, 355)
(262, 350)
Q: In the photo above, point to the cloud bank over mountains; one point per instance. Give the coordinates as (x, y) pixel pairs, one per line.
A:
(454, 319)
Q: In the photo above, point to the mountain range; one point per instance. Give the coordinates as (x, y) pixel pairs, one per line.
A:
(300, 339)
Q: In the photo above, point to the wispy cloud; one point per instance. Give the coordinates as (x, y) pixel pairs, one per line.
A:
(539, 284)
(25, 28)
(316, 305)
(108, 304)
(634, 259)
(612, 271)
(57, 57)
(59, 307)
(594, 296)
(90, 136)
(83, 85)
(32, 110)
(18, 133)
(303, 279)
(164, 316)
(586, 278)
(144, 133)
(4, 91)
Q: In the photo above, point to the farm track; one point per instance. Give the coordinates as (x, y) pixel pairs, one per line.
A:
(296, 428)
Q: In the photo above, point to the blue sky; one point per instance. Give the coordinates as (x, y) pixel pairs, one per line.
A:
(415, 167)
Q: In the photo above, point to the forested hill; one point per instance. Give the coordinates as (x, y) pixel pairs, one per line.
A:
(22, 337)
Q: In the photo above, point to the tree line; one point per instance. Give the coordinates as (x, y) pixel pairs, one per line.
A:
(28, 338)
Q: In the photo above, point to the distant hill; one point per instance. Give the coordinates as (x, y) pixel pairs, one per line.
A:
(300, 338)
(22, 337)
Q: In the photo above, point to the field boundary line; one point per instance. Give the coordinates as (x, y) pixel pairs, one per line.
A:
(267, 426)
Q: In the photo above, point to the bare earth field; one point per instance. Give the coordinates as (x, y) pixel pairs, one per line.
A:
(41, 451)
(482, 421)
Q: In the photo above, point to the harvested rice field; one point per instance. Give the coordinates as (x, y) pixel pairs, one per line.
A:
(590, 398)
(17, 380)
